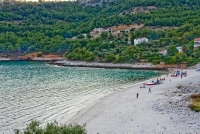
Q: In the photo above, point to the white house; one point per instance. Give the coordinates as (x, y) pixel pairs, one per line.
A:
(140, 40)
(196, 42)
(164, 52)
(179, 49)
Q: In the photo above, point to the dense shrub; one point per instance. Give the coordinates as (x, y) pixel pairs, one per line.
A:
(195, 102)
(110, 57)
(81, 54)
(51, 128)
(156, 61)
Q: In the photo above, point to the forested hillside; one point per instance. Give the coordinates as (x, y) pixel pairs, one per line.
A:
(49, 27)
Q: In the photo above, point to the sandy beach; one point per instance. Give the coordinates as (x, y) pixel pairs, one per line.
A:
(121, 112)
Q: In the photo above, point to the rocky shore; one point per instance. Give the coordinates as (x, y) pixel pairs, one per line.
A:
(4, 59)
(175, 104)
(33, 59)
(36, 56)
(145, 66)
(48, 59)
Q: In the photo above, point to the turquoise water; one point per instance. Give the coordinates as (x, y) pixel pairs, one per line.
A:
(36, 90)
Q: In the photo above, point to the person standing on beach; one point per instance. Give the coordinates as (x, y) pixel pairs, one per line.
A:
(143, 85)
(157, 81)
(149, 90)
(137, 95)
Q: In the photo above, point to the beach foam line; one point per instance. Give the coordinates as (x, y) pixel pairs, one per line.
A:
(85, 109)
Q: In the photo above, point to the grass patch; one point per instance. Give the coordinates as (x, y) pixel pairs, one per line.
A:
(195, 102)
(52, 128)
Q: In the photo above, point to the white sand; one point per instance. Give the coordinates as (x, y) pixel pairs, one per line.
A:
(121, 112)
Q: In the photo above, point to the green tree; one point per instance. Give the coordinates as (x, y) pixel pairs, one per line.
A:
(110, 57)
(104, 35)
(180, 57)
(172, 50)
(80, 36)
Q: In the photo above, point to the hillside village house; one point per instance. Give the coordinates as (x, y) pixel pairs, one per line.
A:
(109, 30)
(196, 42)
(179, 49)
(164, 52)
(140, 40)
(97, 32)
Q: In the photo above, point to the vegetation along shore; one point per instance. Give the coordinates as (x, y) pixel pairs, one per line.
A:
(103, 32)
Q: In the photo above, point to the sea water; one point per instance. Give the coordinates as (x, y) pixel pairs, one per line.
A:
(38, 91)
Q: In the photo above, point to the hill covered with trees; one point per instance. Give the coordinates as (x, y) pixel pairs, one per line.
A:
(48, 27)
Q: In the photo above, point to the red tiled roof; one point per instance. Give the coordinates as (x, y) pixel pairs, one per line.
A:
(197, 39)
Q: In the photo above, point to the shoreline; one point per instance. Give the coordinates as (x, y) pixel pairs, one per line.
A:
(32, 60)
(65, 63)
(121, 112)
(136, 66)
(87, 108)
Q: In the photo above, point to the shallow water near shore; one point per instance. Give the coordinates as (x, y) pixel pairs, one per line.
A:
(38, 91)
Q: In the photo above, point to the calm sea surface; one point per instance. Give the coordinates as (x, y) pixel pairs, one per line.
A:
(38, 91)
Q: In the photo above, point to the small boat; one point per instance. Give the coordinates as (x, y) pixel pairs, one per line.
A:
(152, 83)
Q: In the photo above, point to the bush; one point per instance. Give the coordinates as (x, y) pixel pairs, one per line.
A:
(156, 62)
(52, 128)
(124, 59)
(192, 61)
(110, 57)
(81, 54)
(195, 102)
(150, 59)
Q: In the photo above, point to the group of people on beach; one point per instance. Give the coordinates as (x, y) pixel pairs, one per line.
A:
(174, 74)
(178, 72)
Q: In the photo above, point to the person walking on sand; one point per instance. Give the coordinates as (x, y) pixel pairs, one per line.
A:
(149, 90)
(137, 95)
